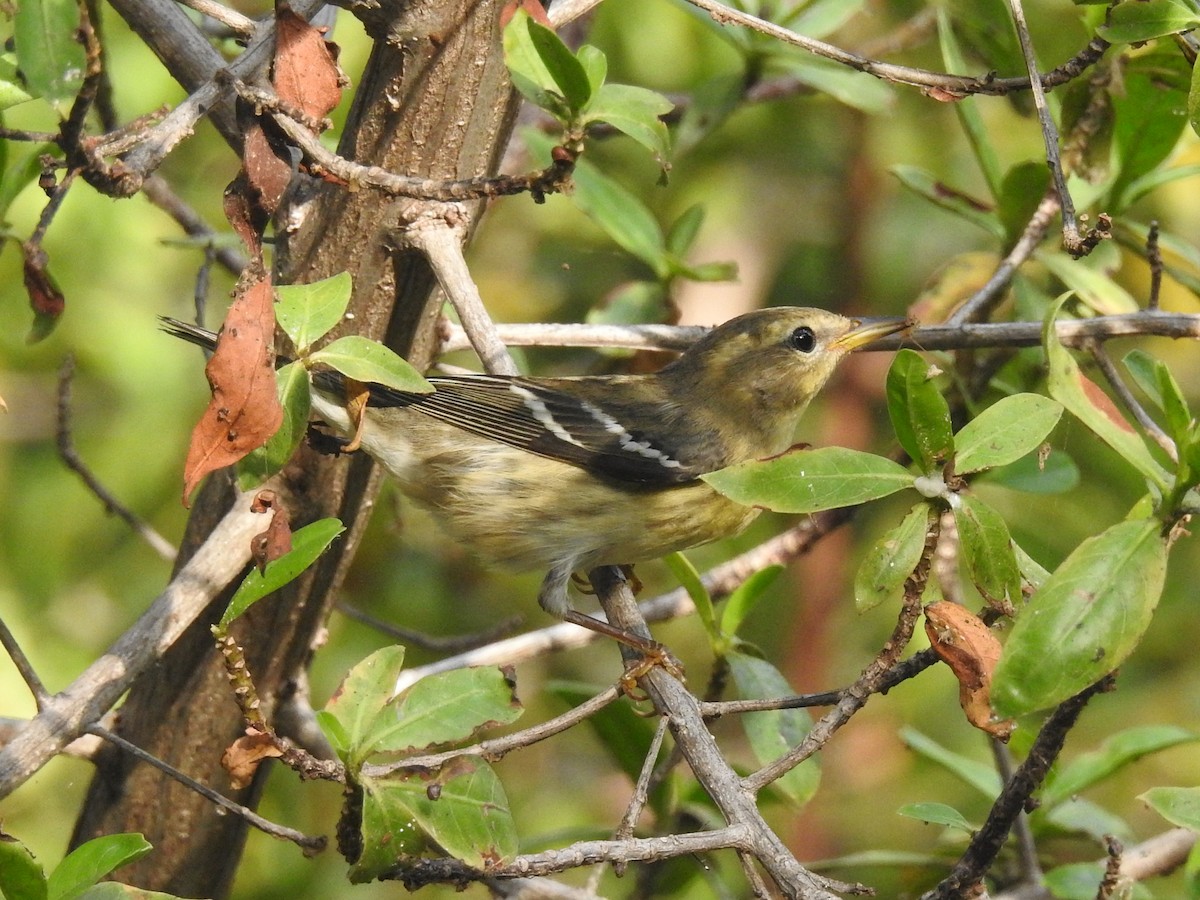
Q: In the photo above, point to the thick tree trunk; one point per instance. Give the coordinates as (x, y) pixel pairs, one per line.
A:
(435, 103)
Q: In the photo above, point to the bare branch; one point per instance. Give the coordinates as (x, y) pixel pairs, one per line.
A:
(1131, 403)
(24, 667)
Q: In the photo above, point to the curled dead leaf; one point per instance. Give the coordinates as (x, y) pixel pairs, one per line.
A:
(277, 539)
(241, 758)
(357, 395)
(968, 647)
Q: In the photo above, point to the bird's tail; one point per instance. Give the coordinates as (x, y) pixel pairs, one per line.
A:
(193, 334)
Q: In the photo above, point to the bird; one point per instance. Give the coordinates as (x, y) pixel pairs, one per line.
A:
(564, 474)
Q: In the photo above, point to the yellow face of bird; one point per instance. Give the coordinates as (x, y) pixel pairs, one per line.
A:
(778, 359)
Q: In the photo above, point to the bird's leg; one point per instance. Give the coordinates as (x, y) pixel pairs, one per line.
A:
(553, 599)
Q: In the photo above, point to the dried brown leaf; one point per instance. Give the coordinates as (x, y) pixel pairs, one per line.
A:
(305, 73)
(45, 298)
(357, 395)
(971, 651)
(277, 539)
(241, 758)
(244, 411)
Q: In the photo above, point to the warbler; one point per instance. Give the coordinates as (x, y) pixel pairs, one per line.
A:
(565, 474)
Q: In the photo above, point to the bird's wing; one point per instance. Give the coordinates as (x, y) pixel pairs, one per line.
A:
(567, 426)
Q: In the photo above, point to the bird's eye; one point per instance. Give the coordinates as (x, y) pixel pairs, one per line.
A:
(803, 339)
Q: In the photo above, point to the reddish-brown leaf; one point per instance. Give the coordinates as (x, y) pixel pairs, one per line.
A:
(46, 300)
(241, 213)
(971, 651)
(268, 171)
(277, 539)
(306, 72)
(536, 11)
(241, 758)
(244, 411)
(1104, 403)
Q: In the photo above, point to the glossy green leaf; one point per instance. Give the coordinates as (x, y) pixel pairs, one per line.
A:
(926, 185)
(1132, 23)
(808, 481)
(444, 708)
(307, 544)
(359, 701)
(1178, 805)
(21, 876)
(1079, 816)
(1174, 405)
(89, 862)
(1054, 474)
(22, 171)
(1116, 752)
(372, 363)
(634, 111)
(684, 230)
(742, 601)
(1032, 571)
(774, 732)
(595, 65)
(49, 56)
(919, 412)
(981, 776)
(11, 92)
(462, 808)
(1092, 406)
(1144, 369)
(1095, 289)
(937, 814)
(633, 303)
(1004, 432)
(987, 551)
(307, 312)
(1085, 621)
(882, 573)
(294, 395)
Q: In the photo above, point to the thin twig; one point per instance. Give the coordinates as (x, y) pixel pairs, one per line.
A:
(239, 24)
(1031, 869)
(438, 232)
(159, 192)
(71, 459)
(1121, 389)
(309, 844)
(1154, 258)
(986, 842)
(457, 643)
(957, 85)
(23, 665)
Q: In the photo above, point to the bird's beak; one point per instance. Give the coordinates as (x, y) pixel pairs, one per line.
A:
(867, 331)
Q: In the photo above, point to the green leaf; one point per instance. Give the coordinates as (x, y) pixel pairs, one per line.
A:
(923, 183)
(1193, 101)
(937, 814)
(1117, 751)
(684, 230)
(359, 701)
(743, 600)
(89, 862)
(1031, 570)
(1055, 474)
(1085, 621)
(716, 271)
(48, 54)
(967, 109)
(686, 574)
(1179, 806)
(807, 481)
(919, 413)
(858, 90)
(773, 733)
(445, 708)
(261, 463)
(634, 111)
(1151, 113)
(1004, 432)
(978, 775)
(886, 567)
(372, 363)
(1092, 406)
(1021, 192)
(307, 312)
(21, 876)
(544, 69)
(462, 808)
(987, 551)
(622, 215)
(595, 65)
(712, 103)
(307, 544)
(24, 170)
(1095, 289)
(1175, 406)
(1133, 23)
(633, 303)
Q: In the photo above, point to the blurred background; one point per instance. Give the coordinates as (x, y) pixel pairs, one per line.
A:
(799, 194)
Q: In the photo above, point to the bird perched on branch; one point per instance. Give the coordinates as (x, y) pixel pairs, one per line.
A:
(566, 474)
